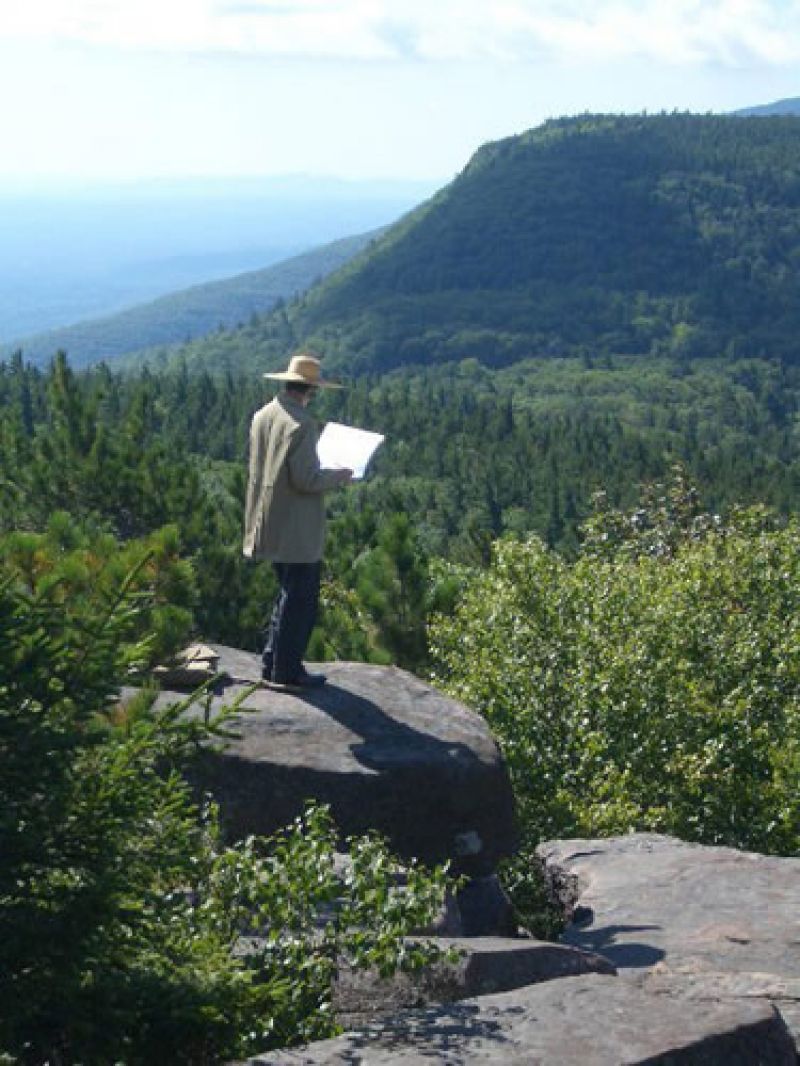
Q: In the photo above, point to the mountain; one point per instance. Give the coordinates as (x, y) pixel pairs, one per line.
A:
(672, 235)
(192, 312)
(791, 106)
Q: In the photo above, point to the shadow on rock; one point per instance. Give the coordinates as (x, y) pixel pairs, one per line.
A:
(440, 1032)
(388, 743)
(603, 942)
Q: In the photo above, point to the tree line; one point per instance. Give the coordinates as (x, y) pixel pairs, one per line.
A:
(470, 455)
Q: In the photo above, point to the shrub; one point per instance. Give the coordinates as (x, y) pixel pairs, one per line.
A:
(653, 683)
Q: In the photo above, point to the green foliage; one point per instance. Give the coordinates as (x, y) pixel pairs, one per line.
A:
(87, 575)
(653, 683)
(523, 877)
(378, 559)
(392, 583)
(129, 455)
(91, 831)
(121, 910)
(345, 630)
(315, 914)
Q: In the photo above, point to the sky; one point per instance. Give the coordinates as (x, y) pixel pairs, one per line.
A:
(97, 90)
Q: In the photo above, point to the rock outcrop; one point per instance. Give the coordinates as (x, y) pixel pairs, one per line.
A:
(385, 750)
(705, 941)
(482, 966)
(576, 1021)
(682, 920)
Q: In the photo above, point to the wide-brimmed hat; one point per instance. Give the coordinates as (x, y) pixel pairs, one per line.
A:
(304, 369)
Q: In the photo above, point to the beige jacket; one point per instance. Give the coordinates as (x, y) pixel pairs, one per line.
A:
(285, 511)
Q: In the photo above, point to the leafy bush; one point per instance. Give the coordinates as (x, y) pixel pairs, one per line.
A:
(654, 683)
(120, 908)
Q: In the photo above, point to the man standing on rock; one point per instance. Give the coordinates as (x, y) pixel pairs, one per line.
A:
(285, 517)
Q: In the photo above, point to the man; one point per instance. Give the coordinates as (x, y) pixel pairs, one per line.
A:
(285, 517)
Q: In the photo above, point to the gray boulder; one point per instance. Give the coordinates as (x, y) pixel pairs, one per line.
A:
(385, 750)
(577, 1021)
(678, 919)
(481, 966)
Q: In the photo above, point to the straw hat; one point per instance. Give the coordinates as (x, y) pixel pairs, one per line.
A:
(304, 369)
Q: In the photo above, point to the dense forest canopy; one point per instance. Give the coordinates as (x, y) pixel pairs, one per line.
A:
(471, 454)
(599, 235)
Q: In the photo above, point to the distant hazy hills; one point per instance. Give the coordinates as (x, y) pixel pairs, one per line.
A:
(192, 312)
(671, 234)
(79, 251)
(780, 107)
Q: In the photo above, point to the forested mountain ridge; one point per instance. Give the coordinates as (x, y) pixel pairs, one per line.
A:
(670, 234)
(191, 312)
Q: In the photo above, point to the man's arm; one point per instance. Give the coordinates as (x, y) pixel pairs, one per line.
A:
(305, 473)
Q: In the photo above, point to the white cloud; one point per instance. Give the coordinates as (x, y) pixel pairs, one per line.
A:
(729, 32)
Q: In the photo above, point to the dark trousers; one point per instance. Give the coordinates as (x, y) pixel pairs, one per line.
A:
(293, 618)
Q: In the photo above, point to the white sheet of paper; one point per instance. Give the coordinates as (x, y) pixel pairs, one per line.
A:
(344, 447)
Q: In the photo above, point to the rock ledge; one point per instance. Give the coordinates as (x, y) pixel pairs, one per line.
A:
(385, 750)
(711, 923)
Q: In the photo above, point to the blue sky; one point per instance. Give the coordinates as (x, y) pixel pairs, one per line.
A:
(129, 89)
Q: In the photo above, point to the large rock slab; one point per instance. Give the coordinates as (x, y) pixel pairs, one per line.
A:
(481, 966)
(577, 1021)
(385, 750)
(683, 919)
